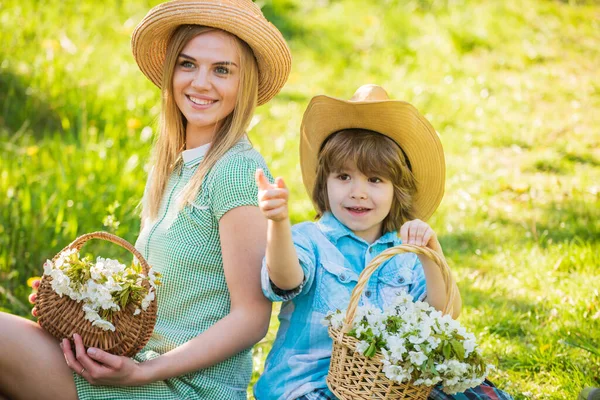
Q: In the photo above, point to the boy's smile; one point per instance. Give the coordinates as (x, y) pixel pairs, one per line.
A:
(360, 202)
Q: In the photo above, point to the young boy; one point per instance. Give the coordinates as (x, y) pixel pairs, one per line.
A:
(375, 170)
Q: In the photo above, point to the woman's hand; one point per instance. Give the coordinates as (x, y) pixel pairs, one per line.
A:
(101, 368)
(35, 285)
(272, 199)
(419, 233)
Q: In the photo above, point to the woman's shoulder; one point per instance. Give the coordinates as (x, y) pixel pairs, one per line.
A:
(239, 155)
(231, 180)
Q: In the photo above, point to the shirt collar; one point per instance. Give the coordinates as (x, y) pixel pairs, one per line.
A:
(333, 229)
(192, 157)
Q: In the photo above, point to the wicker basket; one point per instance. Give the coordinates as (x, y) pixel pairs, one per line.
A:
(62, 316)
(352, 376)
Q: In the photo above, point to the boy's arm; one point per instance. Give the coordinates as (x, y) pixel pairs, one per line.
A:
(420, 233)
(281, 258)
(282, 261)
(436, 289)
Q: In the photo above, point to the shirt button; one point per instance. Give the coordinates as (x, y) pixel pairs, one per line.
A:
(343, 277)
(368, 293)
(371, 250)
(401, 280)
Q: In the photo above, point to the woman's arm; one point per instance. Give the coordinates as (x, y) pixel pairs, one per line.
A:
(242, 232)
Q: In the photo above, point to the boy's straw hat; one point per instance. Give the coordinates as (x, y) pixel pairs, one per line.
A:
(370, 108)
(242, 18)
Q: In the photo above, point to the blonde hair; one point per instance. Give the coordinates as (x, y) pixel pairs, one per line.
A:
(171, 138)
(373, 154)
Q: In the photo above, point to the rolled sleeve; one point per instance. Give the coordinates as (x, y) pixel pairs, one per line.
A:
(307, 259)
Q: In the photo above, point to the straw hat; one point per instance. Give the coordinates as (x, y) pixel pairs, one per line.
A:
(240, 17)
(370, 108)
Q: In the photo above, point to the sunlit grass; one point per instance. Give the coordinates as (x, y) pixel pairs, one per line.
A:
(512, 88)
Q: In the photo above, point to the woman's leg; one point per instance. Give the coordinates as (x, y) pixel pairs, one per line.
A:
(32, 362)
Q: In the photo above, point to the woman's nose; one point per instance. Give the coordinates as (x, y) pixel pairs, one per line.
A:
(201, 79)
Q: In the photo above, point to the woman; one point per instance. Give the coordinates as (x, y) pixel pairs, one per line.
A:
(201, 229)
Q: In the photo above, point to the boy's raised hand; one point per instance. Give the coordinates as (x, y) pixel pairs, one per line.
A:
(272, 199)
(419, 233)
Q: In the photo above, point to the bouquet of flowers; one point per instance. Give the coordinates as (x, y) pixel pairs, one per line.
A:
(104, 287)
(417, 344)
(112, 306)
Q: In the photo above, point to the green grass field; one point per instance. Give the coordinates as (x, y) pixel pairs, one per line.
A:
(512, 87)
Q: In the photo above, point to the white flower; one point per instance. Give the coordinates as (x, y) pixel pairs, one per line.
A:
(48, 266)
(107, 280)
(469, 345)
(416, 357)
(152, 279)
(90, 313)
(412, 334)
(396, 373)
(104, 325)
(396, 347)
(336, 320)
(416, 339)
(148, 299)
(362, 346)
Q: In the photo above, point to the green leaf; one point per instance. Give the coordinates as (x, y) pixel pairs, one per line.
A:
(370, 352)
(458, 348)
(446, 350)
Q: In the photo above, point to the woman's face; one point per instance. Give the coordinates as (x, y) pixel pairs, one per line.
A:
(206, 81)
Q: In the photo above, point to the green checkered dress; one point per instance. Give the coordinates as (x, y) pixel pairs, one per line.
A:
(183, 245)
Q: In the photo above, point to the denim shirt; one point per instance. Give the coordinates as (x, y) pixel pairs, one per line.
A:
(332, 257)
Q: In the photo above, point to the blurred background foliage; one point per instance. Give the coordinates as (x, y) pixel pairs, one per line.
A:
(512, 87)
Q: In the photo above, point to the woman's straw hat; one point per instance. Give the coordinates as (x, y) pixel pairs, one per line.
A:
(242, 18)
(370, 108)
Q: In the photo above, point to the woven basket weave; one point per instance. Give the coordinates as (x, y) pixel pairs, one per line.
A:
(352, 376)
(62, 316)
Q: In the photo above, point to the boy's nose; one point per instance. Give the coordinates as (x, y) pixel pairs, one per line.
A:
(358, 192)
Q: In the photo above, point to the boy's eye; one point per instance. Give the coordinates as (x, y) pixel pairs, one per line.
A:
(375, 179)
(343, 177)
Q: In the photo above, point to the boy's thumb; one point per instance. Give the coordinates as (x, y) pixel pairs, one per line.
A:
(280, 183)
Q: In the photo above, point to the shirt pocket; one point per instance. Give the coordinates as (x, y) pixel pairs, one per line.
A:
(193, 225)
(334, 286)
(394, 280)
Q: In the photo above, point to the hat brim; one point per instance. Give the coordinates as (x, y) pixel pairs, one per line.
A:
(397, 120)
(243, 19)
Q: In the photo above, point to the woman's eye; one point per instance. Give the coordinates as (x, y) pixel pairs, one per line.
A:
(222, 70)
(186, 64)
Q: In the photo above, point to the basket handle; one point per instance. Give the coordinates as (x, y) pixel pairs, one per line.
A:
(364, 276)
(81, 240)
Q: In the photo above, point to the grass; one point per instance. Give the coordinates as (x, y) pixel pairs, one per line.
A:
(512, 88)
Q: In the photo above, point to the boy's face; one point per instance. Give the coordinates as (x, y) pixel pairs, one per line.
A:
(360, 202)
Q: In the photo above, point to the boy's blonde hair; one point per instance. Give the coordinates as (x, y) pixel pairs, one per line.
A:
(171, 137)
(373, 154)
